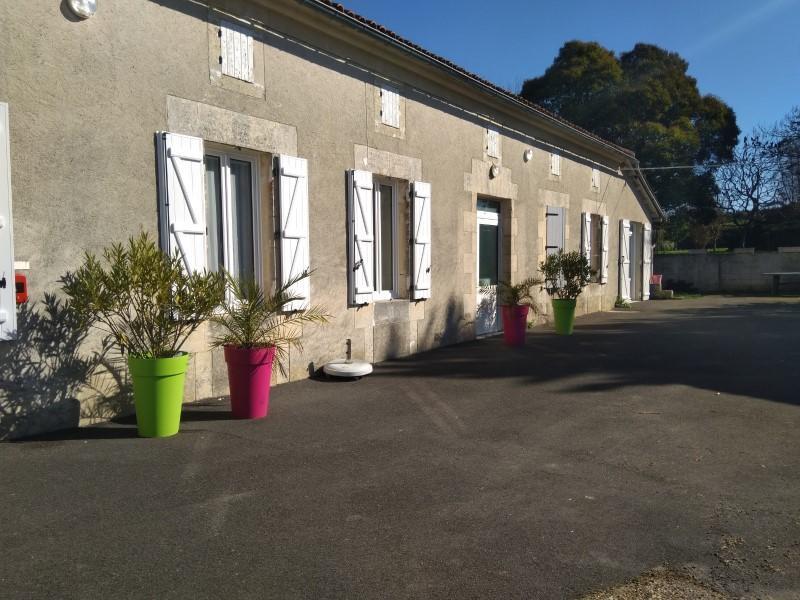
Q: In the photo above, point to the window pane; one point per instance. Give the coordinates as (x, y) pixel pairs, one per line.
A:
(487, 251)
(597, 246)
(214, 213)
(489, 206)
(387, 238)
(242, 215)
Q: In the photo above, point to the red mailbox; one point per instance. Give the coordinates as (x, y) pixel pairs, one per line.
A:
(21, 285)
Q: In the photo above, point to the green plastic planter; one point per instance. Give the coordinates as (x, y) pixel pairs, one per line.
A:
(158, 393)
(564, 315)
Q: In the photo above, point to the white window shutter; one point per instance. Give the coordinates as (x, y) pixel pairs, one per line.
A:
(390, 107)
(236, 51)
(586, 235)
(421, 240)
(647, 260)
(493, 143)
(182, 198)
(292, 194)
(555, 163)
(554, 225)
(604, 257)
(624, 259)
(8, 298)
(361, 232)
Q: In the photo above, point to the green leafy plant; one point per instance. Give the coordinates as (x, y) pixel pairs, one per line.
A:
(518, 294)
(565, 274)
(622, 304)
(143, 298)
(251, 318)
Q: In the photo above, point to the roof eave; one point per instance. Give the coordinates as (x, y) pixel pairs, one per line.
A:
(658, 215)
(562, 125)
(623, 154)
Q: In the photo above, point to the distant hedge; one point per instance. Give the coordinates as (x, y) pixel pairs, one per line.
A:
(708, 251)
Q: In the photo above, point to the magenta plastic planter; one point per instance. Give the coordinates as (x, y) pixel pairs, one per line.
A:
(515, 324)
(249, 374)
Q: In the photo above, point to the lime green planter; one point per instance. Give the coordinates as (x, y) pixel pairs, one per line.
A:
(564, 315)
(158, 393)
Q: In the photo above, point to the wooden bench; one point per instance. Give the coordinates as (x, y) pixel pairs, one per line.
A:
(776, 279)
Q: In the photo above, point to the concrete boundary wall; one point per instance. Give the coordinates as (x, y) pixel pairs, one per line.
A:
(739, 271)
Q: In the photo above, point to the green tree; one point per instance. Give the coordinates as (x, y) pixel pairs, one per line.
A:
(583, 75)
(644, 100)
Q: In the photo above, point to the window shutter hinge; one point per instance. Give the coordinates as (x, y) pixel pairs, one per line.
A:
(219, 32)
(220, 59)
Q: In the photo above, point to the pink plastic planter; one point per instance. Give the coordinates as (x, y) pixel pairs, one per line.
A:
(249, 374)
(515, 323)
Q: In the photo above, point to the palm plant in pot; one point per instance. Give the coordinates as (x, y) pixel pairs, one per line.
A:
(256, 331)
(565, 275)
(516, 301)
(148, 305)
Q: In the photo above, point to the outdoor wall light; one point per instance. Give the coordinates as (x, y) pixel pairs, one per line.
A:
(494, 171)
(83, 9)
(527, 155)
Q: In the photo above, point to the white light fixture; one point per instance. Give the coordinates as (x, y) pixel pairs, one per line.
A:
(527, 155)
(494, 171)
(83, 9)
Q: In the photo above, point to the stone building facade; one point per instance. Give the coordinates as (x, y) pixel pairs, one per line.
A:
(259, 102)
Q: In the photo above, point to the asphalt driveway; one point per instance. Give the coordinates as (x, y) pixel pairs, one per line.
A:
(664, 438)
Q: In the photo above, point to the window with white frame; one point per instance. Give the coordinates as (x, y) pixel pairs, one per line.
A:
(390, 107)
(594, 245)
(595, 179)
(386, 234)
(236, 51)
(493, 143)
(555, 164)
(386, 239)
(232, 213)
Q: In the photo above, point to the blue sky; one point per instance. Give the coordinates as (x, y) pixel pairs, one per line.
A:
(747, 52)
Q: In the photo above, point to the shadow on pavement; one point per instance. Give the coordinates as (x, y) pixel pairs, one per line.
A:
(746, 349)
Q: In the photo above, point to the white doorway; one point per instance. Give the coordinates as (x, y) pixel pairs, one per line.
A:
(633, 267)
(489, 236)
(633, 253)
(625, 243)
